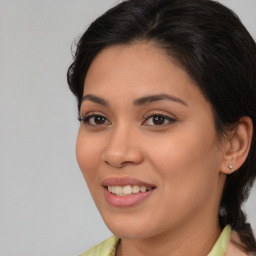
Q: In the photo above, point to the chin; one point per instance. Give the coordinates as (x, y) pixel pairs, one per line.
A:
(128, 228)
(128, 232)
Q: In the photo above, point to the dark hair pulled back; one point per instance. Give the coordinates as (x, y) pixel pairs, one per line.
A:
(216, 50)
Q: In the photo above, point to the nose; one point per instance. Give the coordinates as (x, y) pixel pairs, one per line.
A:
(122, 148)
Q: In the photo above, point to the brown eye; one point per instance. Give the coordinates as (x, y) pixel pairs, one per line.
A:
(99, 120)
(95, 120)
(158, 120)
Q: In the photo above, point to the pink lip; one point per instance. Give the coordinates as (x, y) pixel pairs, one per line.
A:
(125, 201)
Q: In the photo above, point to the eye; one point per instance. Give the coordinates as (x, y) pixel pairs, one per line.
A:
(94, 120)
(158, 120)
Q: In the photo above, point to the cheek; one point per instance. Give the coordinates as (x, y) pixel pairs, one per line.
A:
(187, 163)
(87, 153)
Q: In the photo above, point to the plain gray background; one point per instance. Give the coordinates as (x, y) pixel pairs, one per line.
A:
(45, 207)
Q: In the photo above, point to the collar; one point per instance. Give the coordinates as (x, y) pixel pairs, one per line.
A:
(221, 244)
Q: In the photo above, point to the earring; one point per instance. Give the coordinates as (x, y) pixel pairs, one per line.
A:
(230, 167)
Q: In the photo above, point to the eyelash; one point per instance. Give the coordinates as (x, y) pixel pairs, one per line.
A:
(156, 114)
(87, 118)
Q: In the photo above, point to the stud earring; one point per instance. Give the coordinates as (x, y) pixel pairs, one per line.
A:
(230, 167)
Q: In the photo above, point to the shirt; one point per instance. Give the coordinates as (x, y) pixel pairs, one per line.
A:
(108, 247)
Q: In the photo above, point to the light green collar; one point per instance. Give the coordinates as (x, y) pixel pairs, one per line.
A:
(220, 246)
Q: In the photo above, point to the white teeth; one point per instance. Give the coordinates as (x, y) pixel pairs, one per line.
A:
(143, 189)
(117, 190)
(135, 189)
(127, 190)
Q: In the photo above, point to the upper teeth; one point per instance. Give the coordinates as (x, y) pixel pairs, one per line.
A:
(127, 190)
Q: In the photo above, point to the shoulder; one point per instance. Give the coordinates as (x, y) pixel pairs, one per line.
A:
(105, 248)
(234, 246)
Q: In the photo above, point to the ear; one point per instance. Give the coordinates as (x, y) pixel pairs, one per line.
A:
(237, 146)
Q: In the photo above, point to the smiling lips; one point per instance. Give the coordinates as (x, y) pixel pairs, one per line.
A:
(125, 191)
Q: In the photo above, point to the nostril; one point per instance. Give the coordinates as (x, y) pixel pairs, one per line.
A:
(122, 157)
(121, 164)
(126, 162)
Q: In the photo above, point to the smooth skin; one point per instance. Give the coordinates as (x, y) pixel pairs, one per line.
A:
(169, 142)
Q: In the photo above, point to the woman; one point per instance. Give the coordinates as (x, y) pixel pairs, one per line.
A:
(166, 94)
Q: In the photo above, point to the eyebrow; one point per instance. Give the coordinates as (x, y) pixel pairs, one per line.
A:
(96, 99)
(151, 98)
(138, 102)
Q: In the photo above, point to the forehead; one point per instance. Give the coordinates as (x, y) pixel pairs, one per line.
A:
(140, 65)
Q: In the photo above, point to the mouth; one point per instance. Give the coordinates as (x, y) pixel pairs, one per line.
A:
(126, 191)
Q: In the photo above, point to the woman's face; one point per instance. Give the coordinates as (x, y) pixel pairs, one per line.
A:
(147, 147)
